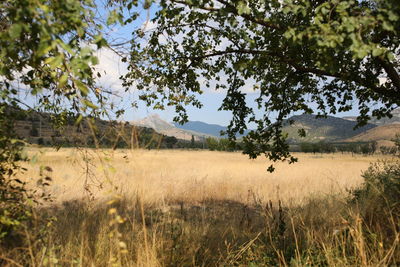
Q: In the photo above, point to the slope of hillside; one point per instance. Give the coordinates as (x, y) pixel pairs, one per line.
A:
(37, 128)
(322, 129)
(383, 132)
(155, 122)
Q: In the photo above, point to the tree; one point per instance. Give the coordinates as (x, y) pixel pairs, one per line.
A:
(302, 56)
(46, 50)
(192, 143)
(170, 141)
(212, 143)
(34, 131)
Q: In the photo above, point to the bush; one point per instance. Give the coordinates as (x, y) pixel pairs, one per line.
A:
(378, 201)
(381, 185)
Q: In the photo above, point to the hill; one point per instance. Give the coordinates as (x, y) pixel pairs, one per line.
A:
(378, 134)
(317, 129)
(321, 129)
(38, 128)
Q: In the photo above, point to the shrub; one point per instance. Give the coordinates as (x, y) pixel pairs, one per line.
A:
(378, 201)
(381, 184)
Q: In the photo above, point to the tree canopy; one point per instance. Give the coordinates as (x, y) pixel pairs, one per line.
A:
(46, 52)
(300, 56)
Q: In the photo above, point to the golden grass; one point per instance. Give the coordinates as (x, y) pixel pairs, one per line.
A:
(201, 208)
(193, 176)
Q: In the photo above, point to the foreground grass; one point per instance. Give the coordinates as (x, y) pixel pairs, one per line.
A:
(180, 208)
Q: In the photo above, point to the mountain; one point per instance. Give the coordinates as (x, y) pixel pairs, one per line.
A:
(329, 129)
(322, 129)
(155, 122)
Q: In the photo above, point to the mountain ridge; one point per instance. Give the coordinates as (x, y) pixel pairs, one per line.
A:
(329, 129)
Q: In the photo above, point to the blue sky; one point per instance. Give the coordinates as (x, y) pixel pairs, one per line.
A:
(111, 67)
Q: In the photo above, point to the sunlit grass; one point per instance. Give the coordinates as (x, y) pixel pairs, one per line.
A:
(197, 175)
(201, 208)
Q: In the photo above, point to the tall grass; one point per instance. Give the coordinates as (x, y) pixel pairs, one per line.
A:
(218, 221)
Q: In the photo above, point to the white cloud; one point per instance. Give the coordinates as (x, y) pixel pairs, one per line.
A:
(111, 68)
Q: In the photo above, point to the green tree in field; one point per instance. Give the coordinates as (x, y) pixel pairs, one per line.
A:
(212, 143)
(192, 143)
(170, 141)
(301, 56)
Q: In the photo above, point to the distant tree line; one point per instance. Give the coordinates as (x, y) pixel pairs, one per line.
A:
(366, 148)
(149, 139)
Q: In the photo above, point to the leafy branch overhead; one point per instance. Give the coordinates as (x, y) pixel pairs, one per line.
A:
(45, 53)
(48, 48)
(302, 56)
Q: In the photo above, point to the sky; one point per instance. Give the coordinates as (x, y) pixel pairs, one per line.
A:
(112, 68)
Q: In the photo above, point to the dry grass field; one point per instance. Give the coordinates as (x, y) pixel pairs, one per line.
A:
(194, 176)
(201, 208)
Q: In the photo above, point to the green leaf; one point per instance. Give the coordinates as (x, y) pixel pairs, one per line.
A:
(82, 87)
(15, 30)
(63, 80)
(94, 60)
(55, 62)
(89, 104)
(378, 52)
(392, 16)
(79, 119)
(100, 41)
(112, 17)
(387, 26)
(243, 8)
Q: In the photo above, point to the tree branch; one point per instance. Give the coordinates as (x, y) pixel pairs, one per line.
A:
(251, 18)
(391, 72)
(393, 94)
(233, 10)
